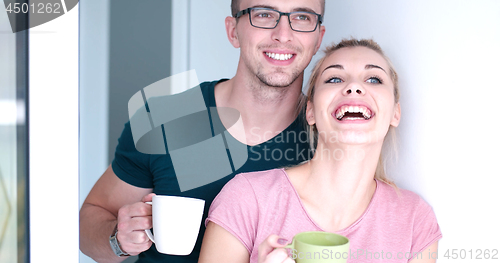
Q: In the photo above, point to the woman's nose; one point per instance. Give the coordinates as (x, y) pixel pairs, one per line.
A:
(354, 88)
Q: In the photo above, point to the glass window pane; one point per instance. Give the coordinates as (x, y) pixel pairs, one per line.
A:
(13, 143)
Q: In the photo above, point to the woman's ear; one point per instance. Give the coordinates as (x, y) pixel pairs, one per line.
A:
(232, 35)
(310, 113)
(397, 115)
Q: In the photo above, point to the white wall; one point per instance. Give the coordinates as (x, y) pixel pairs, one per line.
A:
(208, 51)
(94, 77)
(94, 93)
(53, 139)
(447, 54)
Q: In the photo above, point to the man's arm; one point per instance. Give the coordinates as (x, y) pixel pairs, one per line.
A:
(113, 201)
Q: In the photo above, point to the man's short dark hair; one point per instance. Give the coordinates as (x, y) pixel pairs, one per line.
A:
(235, 7)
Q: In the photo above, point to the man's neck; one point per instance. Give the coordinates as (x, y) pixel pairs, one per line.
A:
(265, 111)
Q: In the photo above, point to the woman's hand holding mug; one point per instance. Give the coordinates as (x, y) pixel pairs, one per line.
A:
(272, 250)
(306, 247)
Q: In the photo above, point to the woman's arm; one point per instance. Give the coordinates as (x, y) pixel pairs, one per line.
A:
(221, 246)
(428, 255)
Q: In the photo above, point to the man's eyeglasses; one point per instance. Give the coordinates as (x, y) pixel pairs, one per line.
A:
(269, 18)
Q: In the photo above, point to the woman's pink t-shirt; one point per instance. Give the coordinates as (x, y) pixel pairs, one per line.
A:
(394, 228)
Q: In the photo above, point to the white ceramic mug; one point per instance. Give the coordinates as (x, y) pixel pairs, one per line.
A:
(176, 223)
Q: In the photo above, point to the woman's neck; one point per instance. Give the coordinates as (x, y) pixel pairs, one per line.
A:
(337, 185)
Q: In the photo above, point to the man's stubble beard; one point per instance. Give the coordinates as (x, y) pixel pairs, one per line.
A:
(272, 87)
(278, 78)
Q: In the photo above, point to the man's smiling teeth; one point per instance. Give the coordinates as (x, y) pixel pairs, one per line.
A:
(341, 112)
(279, 56)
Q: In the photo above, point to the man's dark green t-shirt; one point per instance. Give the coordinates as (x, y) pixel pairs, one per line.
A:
(156, 171)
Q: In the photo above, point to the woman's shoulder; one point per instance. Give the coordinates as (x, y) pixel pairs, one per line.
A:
(263, 176)
(401, 200)
(261, 181)
(257, 184)
(250, 192)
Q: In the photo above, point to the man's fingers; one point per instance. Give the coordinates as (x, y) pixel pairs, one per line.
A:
(135, 210)
(135, 248)
(134, 242)
(132, 221)
(148, 198)
(135, 224)
(134, 237)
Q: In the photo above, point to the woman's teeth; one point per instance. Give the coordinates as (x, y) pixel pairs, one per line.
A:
(353, 112)
(279, 56)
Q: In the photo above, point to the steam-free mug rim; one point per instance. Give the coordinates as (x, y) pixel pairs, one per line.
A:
(177, 197)
(191, 199)
(297, 239)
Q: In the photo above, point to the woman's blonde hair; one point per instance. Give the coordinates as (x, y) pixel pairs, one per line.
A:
(390, 138)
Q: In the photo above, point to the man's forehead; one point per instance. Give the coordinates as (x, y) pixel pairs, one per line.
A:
(283, 5)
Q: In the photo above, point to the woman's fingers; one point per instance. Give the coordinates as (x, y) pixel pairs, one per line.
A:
(279, 255)
(271, 250)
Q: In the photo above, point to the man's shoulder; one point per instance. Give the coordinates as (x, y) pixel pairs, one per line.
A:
(193, 96)
(207, 90)
(209, 86)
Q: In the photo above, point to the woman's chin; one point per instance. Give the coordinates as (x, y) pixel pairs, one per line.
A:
(358, 137)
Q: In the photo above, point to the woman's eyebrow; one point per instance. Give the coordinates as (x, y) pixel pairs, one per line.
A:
(369, 66)
(337, 66)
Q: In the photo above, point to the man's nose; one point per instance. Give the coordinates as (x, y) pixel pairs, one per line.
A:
(283, 31)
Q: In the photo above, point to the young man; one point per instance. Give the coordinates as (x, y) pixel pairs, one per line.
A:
(275, 48)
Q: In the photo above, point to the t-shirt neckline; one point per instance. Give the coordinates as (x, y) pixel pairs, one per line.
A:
(341, 231)
(271, 141)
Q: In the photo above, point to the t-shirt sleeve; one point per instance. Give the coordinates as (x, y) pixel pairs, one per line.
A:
(130, 165)
(425, 228)
(236, 209)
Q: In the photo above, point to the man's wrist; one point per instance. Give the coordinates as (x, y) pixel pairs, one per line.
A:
(115, 244)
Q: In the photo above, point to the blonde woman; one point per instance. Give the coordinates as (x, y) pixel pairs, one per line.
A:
(352, 104)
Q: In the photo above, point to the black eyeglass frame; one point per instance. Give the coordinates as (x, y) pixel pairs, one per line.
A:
(247, 11)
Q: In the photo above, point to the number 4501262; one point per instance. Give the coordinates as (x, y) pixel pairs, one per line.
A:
(471, 254)
(39, 8)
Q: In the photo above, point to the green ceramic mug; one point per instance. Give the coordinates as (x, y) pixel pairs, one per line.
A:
(319, 247)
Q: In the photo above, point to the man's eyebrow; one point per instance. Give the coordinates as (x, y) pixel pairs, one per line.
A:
(264, 6)
(337, 66)
(303, 9)
(370, 66)
(298, 9)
